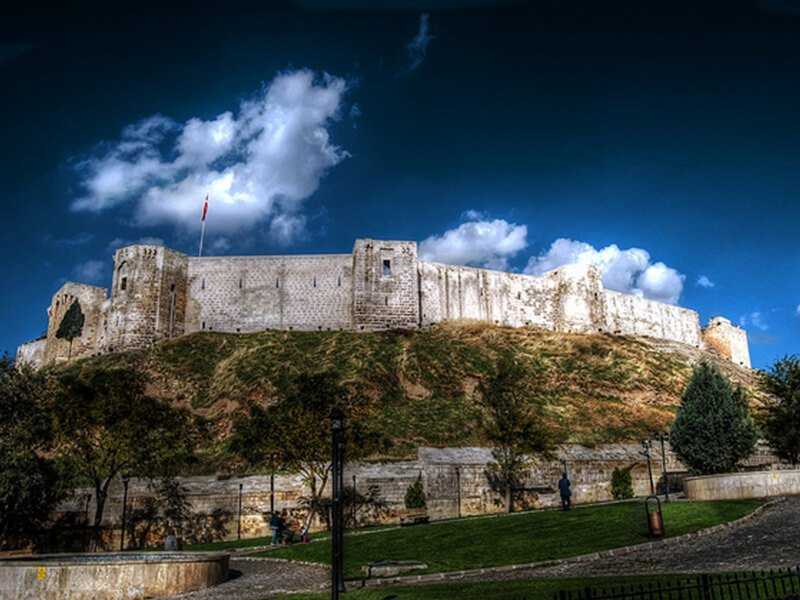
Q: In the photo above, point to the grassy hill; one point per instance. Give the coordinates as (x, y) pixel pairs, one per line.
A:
(419, 385)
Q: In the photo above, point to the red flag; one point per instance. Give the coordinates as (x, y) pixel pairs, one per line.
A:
(205, 210)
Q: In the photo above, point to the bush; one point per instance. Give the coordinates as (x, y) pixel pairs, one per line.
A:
(782, 419)
(713, 429)
(621, 484)
(415, 495)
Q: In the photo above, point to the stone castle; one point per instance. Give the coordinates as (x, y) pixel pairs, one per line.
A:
(158, 293)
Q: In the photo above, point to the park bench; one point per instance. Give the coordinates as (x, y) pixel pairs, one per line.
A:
(414, 517)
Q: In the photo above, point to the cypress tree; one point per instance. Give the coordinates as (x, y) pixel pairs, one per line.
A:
(71, 325)
(713, 429)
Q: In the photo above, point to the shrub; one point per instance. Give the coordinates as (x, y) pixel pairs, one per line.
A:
(415, 495)
(621, 484)
(782, 419)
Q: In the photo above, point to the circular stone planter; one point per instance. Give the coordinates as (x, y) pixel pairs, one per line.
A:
(109, 576)
(737, 486)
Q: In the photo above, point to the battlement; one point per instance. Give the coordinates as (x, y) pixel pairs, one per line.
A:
(158, 293)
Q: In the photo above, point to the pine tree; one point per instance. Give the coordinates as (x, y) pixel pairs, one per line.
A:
(782, 422)
(71, 325)
(713, 429)
(415, 495)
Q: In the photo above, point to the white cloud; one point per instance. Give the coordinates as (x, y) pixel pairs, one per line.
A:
(704, 282)
(797, 311)
(91, 271)
(482, 243)
(417, 48)
(754, 319)
(117, 243)
(257, 165)
(627, 271)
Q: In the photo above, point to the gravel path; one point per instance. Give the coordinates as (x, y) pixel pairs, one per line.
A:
(259, 578)
(769, 540)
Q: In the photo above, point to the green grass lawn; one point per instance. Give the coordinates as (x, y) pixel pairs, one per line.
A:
(519, 538)
(532, 589)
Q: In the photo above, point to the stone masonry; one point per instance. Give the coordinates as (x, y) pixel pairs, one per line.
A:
(158, 293)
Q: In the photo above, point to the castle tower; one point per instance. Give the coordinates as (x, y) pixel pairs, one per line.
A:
(579, 299)
(148, 296)
(728, 340)
(385, 285)
(91, 301)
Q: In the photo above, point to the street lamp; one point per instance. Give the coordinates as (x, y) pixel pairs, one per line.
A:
(663, 437)
(337, 481)
(646, 446)
(458, 489)
(125, 480)
(239, 525)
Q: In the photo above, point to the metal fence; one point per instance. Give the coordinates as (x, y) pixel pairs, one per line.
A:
(780, 584)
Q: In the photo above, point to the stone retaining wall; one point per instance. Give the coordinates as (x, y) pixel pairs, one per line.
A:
(735, 486)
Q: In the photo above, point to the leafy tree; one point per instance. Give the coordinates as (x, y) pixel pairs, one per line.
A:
(782, 419)
(71, 325)
(415, 495)
(30, 485)
(294, 434)
(105, 425)
(515, 424)
(713, 429)
(621, 484)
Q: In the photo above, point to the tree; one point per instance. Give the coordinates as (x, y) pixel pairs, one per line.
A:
(515, 423)
(105, 425)
(415, 495)
(713, 429)
(782, 412)
(71, 325)
(30, 484)
(294, 434)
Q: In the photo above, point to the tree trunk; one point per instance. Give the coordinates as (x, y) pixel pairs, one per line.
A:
(509, 498)
(100, 496)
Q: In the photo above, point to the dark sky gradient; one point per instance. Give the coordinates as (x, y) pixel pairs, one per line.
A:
(666, 128)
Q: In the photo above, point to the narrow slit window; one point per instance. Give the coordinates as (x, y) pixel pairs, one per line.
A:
(240, 283)
(277, 283)
(339, 281)
(203, 283)
(315, 282)
(123, 284)
(387, 267)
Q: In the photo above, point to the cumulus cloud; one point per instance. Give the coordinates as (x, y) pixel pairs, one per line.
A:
(629, 271)
(480, 243)
(417, 48)
(704, 282)
(91, 271)
(257, 164)
(754, 319)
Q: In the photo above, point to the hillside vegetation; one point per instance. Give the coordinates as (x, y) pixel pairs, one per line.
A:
(419, 386)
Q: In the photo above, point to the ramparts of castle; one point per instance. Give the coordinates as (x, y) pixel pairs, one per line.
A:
(158, 293)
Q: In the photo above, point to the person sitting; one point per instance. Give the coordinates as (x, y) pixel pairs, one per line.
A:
(565, 490)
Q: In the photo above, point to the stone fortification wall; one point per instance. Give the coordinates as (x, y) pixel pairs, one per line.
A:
(31, 354)
(158, 293)
(93, 304)
(633, 315)
(253, 293)
(727, 340)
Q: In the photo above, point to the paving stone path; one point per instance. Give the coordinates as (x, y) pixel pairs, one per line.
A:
(257, 579)
(769, 540)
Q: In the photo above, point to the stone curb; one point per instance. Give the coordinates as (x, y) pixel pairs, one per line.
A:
(451, 575)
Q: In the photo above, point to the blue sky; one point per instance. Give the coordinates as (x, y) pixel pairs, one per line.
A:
(662, 147)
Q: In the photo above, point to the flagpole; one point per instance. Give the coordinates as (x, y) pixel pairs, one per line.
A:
(202, 235)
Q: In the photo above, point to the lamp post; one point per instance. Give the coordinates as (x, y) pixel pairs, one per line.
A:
(646, 446)
(458, 489)
(125, 480)
(663, 437)
(355, 498)
(239, 524)
(337, 484)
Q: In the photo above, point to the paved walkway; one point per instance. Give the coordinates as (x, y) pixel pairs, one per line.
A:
(770, 539)
(259, 578)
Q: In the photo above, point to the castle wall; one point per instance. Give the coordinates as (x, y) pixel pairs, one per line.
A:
(253, 293)
(148, 298)
(727, 340)
(385, 285)
(627, 314)
(92, 301)
(449, 292)
(31, 354)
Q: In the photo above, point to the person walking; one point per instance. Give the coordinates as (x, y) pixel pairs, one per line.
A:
(275, 524)
(565, 489)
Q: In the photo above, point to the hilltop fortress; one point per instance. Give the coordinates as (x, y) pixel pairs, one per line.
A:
(158, 293)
